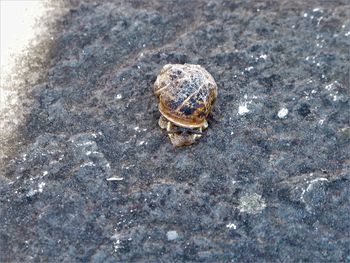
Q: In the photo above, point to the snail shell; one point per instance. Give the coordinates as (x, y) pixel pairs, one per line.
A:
(186, 96)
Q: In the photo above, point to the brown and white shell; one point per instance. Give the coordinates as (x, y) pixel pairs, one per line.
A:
(186, 94)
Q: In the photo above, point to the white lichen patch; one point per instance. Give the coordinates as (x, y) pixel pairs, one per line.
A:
(330, 86)
(333, 93)
(117, 245)
(243, 109)
(231, 226)
(119, 239)
(30, 193)
(251, 203)
(243, 105)
(88, 164)
(282, 113)
(40, 189)
(172, 235)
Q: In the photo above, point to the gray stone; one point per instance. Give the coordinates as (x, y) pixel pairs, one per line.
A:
(256, 187)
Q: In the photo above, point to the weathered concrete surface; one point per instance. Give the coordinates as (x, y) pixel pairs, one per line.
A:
(270, 180)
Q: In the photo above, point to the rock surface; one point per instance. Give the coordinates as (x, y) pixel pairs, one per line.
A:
(258, 187)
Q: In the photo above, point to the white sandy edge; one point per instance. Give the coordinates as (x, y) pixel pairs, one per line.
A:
(18, 30)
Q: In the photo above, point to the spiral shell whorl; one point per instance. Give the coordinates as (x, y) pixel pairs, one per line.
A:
(186, 94)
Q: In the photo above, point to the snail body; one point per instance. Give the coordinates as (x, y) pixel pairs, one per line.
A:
(186, 96)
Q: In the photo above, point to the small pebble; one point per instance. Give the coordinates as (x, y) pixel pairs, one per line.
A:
(282, 113)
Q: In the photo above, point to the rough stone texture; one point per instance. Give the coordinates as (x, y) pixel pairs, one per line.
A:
(255, 188)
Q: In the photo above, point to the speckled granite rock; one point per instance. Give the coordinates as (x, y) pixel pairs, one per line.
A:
(269, 182)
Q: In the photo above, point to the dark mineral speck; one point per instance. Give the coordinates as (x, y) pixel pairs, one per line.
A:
(269, 181)
(304, 110)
